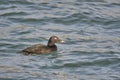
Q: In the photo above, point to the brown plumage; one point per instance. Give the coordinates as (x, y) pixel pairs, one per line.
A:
(40, 48)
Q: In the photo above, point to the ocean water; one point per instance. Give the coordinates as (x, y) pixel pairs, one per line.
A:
(90, 29)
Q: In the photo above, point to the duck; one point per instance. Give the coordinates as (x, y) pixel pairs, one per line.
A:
(41, 48)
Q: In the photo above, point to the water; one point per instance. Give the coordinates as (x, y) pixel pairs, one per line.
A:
(90, 29)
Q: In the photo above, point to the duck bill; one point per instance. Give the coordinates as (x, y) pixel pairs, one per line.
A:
(61, 41)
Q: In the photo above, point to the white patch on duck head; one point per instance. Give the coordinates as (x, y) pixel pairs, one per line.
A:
(55, 38)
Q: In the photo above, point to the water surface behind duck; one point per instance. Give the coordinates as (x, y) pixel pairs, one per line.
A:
(90, 29)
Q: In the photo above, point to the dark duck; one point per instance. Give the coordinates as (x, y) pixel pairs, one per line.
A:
(40, 48)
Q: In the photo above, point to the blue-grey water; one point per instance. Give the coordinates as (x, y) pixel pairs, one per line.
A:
(90, 29)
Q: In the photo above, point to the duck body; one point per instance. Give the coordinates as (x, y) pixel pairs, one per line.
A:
(40, 48)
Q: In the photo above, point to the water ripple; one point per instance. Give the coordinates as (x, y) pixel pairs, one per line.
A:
(89, 28)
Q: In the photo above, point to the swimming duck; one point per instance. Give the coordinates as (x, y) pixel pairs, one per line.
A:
(40, 48)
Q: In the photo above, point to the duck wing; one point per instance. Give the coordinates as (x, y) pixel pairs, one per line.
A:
(38, 48)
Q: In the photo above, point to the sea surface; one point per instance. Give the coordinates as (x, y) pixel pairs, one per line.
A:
(90, 29)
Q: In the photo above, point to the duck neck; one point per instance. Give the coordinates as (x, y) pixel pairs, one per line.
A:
(50, 44)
